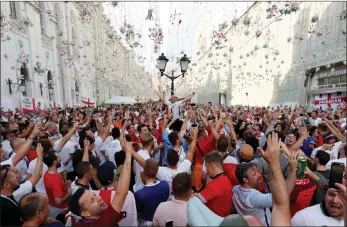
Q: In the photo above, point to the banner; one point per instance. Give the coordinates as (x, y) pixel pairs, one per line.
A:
(28, 104)
(331, 100)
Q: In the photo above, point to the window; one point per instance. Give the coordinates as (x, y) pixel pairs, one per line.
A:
(13, 10)
(343, 79)
(334, 80)
(322, 82)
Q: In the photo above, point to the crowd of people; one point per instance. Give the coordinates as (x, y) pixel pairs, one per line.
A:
(173, 163)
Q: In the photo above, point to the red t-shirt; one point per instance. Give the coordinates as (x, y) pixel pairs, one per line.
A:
(55, 188)
(135, 140)
(106, 195)
(108, 218)
(206, 145)
(230, 171)
(218, 196)
(320, 141)
(301, 196)
(31, 155)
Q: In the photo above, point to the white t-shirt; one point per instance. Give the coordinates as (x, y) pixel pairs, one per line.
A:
(138, 169)
(69, 148)
(75, 187)
(314, 216)
(340, 160)
(75, 139)
(315, 122)
(40, 186)
(333, 152)
(167, 174)
(97, 145)
(23, 189)
(7, 147)
(111, 148)
(22, 167)
(7, 162)
(175, 108)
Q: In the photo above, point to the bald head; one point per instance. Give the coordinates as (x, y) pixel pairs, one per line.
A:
(151, 168)
(246, 152)
(31, 206)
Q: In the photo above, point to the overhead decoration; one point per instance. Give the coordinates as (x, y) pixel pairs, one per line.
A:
(258, 33)
(175, 19)
(115, 4)
(235, 21)
(86, 13)
(343, 15)
(315, 18)
(149, 14)
(247, 21)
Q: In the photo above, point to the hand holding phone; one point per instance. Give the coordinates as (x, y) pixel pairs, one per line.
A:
(336, 174)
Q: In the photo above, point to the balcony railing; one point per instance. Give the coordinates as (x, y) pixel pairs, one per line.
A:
(329, 86)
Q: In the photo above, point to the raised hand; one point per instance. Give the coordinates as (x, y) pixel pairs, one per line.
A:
(39, 150)
(37, 130)
(86, 144)
(126, 146)
(272, 153)
(293, 159)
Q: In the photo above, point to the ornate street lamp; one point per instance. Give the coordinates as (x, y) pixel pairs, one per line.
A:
(162, 61)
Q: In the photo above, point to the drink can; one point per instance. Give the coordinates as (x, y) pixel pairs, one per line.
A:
(302, 164)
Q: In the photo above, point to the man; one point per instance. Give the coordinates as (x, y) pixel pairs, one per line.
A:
(314, 120)
(9, 135)
(330, 212)
(52, 131)
(84, 175)
(247, 200)
(58, 191)
(174, 166)
(114, 146)
(174, 105)
(101, 137)
(342, 156)
(152, 194)
(93, 209)
(321, 159)
(182, 191)
(34, 211)
(330, 146)
(107, 177)
(147, 142)
(12, 192)
(66, 149)
(142, 128)
(218, 199)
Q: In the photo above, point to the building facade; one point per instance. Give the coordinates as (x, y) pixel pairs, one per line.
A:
(278, 53)
(60, 53)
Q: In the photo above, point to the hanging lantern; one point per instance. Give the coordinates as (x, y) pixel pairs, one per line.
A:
(256, 47)
(282, 62)
(246, 32)
(225, 55)
(265, 45)
(241, 56)
(289, 39)
(231, 49)
(266, 56)
(247, 55)
(277, 52)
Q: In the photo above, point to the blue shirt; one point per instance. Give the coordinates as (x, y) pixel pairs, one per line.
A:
(168, 145)
(149, 198)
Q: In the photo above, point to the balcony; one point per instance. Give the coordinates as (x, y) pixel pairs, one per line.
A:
(329, 88)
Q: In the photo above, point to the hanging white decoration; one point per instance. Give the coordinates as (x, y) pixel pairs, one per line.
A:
(265, 45)
(231, 49)
(241, 56)
(289, 39)
(315, 18)
(235, 21)
(247, 21)
(258, 33)
(256, 47)
(266, 56)
(246, 32)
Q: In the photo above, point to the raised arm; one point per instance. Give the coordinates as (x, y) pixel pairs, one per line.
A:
(280, 197)
(190, 153)
(108, 127)
(39, 166)
(124, 179)
(334, 130)
(67, 137)
(184, 127)
(23, 150)
(303, 136)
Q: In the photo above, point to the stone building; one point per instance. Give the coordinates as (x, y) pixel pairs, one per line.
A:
(60, 53)
(275, 53)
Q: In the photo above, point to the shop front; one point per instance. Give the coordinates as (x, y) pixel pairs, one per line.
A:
(328, 88)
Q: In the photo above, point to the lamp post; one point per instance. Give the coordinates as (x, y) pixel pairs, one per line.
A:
(184, 62)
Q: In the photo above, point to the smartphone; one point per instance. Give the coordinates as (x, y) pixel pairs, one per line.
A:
(169, 223)
(194, 125)
(336, 174)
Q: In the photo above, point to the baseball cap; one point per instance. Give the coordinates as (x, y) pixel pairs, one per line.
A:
(106, 173)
